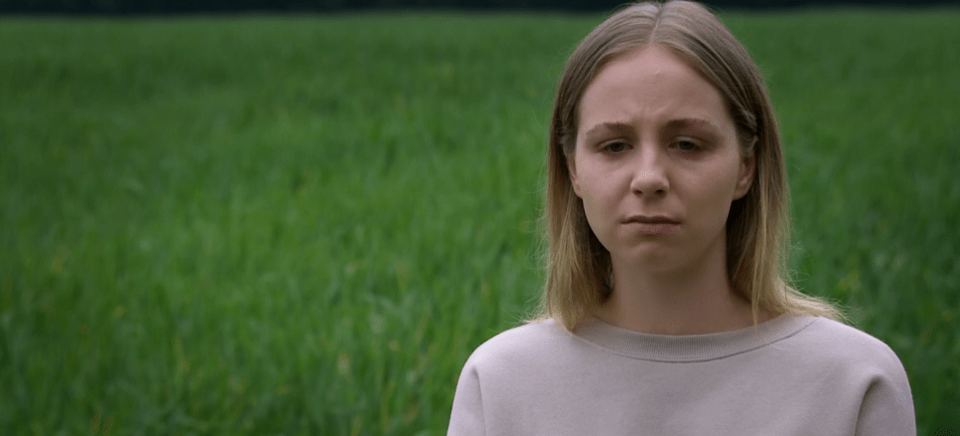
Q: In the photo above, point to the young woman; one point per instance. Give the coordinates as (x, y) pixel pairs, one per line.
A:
(665, 309)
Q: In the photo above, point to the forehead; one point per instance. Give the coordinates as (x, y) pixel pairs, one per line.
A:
(650, 85)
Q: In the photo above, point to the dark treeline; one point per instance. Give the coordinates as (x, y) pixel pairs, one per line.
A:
(230, 6)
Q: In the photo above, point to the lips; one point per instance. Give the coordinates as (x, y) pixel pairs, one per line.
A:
(644, 219)
(652, 225)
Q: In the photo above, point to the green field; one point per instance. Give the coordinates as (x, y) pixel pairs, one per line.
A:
(304, 225)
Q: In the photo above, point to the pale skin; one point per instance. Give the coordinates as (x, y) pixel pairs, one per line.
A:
(657, 165)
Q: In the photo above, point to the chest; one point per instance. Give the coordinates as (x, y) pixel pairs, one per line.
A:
(650, 398)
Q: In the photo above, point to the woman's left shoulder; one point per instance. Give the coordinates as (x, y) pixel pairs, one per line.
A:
(847, 345)
(847, 361)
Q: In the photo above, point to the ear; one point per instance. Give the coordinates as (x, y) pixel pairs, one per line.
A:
(748, 166)
(572, 172)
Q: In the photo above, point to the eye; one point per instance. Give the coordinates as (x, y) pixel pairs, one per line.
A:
(684, 144)
(616, 147)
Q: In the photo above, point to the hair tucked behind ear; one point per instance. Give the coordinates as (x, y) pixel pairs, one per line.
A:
(578, 267)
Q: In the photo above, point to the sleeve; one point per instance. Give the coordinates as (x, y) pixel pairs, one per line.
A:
(466, 418)
(887, 407)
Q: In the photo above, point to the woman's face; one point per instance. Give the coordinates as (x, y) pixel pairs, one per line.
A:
(657, 163)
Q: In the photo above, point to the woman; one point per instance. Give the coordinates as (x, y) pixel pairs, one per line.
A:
(665, 309)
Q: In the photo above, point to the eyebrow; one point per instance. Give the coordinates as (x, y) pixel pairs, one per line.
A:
(674, 124)
(613, 126)
(692, 122)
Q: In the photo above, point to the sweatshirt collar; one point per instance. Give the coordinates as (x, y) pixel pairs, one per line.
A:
(690, 348)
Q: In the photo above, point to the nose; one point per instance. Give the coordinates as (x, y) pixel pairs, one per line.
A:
(650, 174)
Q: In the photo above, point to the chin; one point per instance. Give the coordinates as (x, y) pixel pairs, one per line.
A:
(650, 259)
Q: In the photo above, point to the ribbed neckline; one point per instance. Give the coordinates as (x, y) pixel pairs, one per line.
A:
(690, 348)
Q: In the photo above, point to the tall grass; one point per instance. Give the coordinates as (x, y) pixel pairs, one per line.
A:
(279, 225)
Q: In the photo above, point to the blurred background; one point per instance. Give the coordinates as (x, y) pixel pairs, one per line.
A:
(295, 217)
(287, 6)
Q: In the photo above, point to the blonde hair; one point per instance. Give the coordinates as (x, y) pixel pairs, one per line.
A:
(758, 228)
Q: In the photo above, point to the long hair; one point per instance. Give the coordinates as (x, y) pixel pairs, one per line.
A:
(578, 267)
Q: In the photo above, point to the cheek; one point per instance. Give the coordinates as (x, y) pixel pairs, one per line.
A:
(600, 195)
(716, 192)
(600, 221)
(594, 203)
(598, 187)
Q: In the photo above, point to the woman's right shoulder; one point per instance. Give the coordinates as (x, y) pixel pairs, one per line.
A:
(520, 345)
(502, 373)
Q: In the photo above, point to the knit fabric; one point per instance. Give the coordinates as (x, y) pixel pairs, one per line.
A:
(792, 375)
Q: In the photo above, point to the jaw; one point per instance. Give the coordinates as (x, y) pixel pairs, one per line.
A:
(668, 258)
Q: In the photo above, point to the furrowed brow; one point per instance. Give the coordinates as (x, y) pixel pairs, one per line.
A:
(608, 127)
(699, 123)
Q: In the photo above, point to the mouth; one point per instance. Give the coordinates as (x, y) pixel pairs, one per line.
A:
(645, 219)
(658, 225)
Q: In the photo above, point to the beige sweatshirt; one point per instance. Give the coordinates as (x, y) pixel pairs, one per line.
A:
(791, 375)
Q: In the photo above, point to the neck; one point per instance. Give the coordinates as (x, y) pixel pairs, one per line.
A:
(685, 301)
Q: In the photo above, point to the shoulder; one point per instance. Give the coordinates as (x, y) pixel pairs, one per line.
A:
(523, 344)
(849, 366)
(842, 355)
(505, 369)
(835, 341)
(873, 368)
